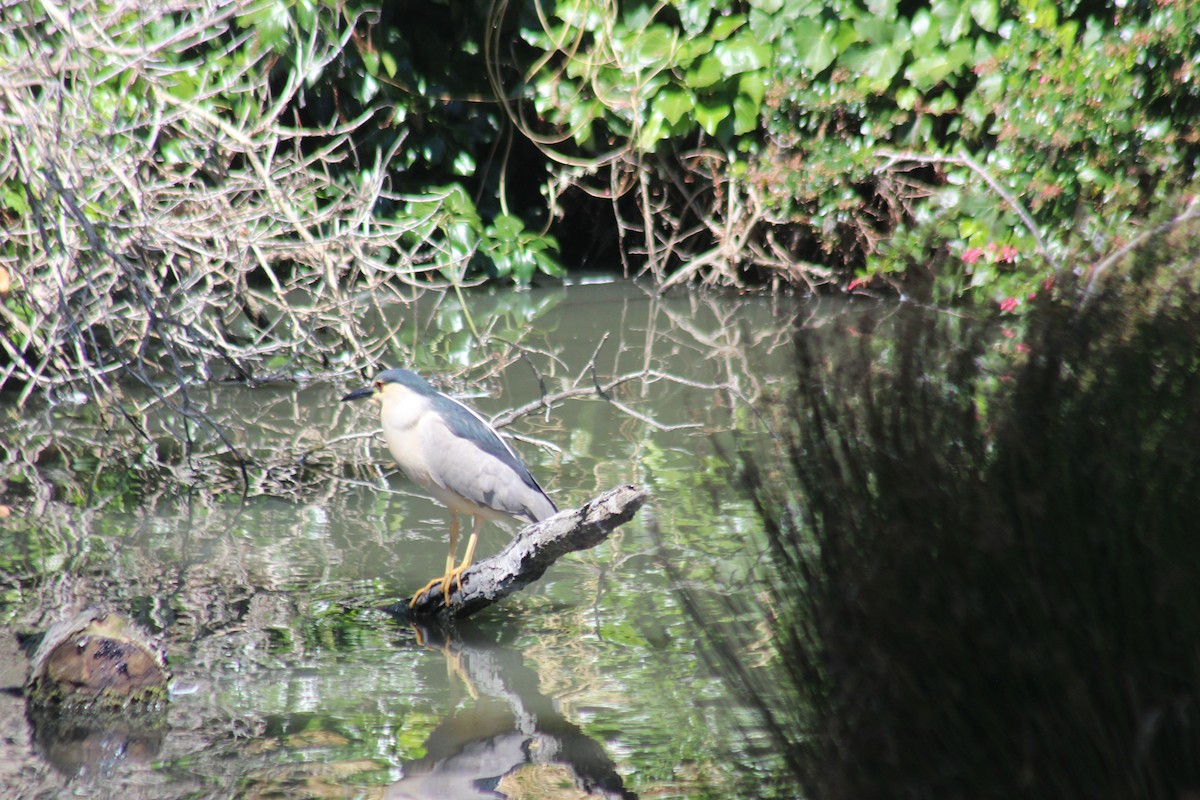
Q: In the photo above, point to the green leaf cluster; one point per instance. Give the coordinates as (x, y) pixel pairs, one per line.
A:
(463, 243)
(429, 68)
(1084, 116)
(648, 74)
(327, 66)
(1005, 137)
(974, 145)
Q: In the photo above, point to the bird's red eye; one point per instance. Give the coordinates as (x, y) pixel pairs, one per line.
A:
(379, 386)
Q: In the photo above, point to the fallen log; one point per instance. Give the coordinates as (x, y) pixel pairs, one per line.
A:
(528, 556)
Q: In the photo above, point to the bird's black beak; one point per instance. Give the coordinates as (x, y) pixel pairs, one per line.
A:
(359, 394)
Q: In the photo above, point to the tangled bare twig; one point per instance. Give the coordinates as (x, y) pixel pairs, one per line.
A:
(171, 228)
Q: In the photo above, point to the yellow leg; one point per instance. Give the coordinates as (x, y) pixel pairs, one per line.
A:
(445, 578)
(453, 546)
(468, 559)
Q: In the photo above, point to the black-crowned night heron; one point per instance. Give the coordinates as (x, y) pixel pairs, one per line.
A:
(447, 448)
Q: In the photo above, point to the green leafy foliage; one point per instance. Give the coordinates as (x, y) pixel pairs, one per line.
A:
(874, 133)
(461, 241)
(961, 146)
(518, 253)
(648, 76)
(1084, 117)
(427, 67)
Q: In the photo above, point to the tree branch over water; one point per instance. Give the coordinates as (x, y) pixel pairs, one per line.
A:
(530, 554)
(894, 158)
(168, 239)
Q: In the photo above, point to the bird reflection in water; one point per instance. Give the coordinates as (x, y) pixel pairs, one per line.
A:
(509, 732)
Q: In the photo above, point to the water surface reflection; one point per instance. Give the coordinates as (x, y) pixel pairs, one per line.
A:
(264, 576)
(985, 561)
(509, 735)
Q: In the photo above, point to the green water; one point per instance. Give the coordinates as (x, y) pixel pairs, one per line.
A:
(289, 680)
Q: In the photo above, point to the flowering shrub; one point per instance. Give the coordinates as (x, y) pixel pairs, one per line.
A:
(958, 147)
(1024, 136)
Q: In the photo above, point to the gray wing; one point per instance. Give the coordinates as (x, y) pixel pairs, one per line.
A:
(474, 462)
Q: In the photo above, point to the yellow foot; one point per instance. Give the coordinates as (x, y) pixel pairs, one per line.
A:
(456, 576)
(453, 576)
(426, 588)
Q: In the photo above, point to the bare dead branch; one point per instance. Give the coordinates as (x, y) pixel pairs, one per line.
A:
(142, 259)
(965, 160)
(1190, 213)
(529, 555)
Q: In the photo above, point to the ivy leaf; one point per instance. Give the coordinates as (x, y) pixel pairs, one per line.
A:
(547, 263)
(463, 164)
(745, 114)
(705, 72)
(710, 113)
(654, 131)
(694, 15)
(673, 103)
(742, 53)
(753, 85)
(814, 41)
(986, 14)
(724, 26)
(694, 47)
(461, 240)
(876, 66)
(954, 19)
(506, 226)
(1091, 176)
(654, 45)
(926, 72)
(270, 22)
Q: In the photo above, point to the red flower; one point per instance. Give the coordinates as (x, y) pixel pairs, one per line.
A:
(972, 255)
(1009, 304)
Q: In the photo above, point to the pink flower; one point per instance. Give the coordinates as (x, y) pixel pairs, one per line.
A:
(1022, 347)
(857, 282)
(1010, 303)
(972, 255)
(1007, 255)
(1008, 333)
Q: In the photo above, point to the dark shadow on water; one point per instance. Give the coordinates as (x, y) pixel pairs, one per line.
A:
(511, 732)
(984, 559)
